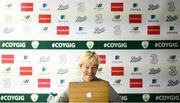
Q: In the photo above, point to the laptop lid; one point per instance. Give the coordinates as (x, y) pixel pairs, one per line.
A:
(95, 91)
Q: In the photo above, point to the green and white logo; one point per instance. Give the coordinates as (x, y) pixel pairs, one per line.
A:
(146, 97)
(35, 44)
(90, 44)
(145, 44)
(34, 97)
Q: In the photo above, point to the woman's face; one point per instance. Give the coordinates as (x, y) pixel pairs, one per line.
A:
(88, 72)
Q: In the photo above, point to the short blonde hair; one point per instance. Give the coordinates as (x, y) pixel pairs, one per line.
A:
(89, 57)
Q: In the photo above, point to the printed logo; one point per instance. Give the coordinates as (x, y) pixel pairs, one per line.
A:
(8, 5)
(172, 59)
(116, 18)
(135, 30)
(154, 58)
(90, 44)
(117, 83)
(99, 18)
(62, 30)
(154, 71)
(136, 83)
(146, 97)
(172, 30)
(44, 71)
(27, 18)
(45, 29)
(117, 71)
(135, 59)
(172, 83)
(117, 59)
(44, 7)
(99, 6)
(99, 30)
(7, 70)
(81, 19)
(153, 30)
(153, 18)
(153, 6)
(7, 30)
(27, 7)
(44, 59)
(171, 18)
(44, 18)
(25, 71)
(34, 97)
(63, 7)
(25, 82)
(136, 71)
(81, 7)
(117, 30)
(7, 83)
(35, 44)
(26, 59)
(171, 6)
(102, 59)
(135, 7)
(154, 83)
(116, 6)
(44, 83)
(135, 18)
(173, 71)
(145, 44)
(7, 59)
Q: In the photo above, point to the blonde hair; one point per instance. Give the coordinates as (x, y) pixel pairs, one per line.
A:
(89, 57)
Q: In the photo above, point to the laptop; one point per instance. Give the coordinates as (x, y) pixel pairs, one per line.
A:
(95, 91)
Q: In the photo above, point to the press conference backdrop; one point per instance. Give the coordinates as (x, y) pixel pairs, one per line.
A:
(138, 42)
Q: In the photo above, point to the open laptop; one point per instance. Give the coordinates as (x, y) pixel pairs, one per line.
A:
(95, 91)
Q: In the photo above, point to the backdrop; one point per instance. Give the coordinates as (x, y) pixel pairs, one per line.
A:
(137, 42)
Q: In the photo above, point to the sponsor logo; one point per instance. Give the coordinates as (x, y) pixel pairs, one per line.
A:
(154, 71)
(62, 18)
(7, 59)
(154, 83)
(80, 30)
(100, 71)
(117, 30)
(7, 70)
(172, 30)
(173, 71)
(135, 30)
(81, 7)
(135, 59)
(172, 59)
(25, 82)
(153, 30)
(116, 6)
(117, 71)
(61, 82)
(81, 19)
(102, 59)
(8, 5)
(99, 30)
(117, 59)
(62, 71)
(99, 6)
(44, 71)
(25, 71)
(12, 97)
(27, 7)
(63, 7)
(7, 83)
(44, 18)
(44, 83)
(171, 18)
(117, 18)
(62, 30)
(45, 29)
(99, 18)
(171, 6)
(117, 83)
(154, 59)
(136, 71)
(136, 83)
(153, 19)
(172, 83)
(146, 97)
(26, 59)
(27, 18)
(135, 18)
(7, 30)
(34, 97)
(153, 6)
(135, 7)
(44, 59)
(44, 7)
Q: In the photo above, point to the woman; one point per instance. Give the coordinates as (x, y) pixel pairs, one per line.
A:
(88, 63)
